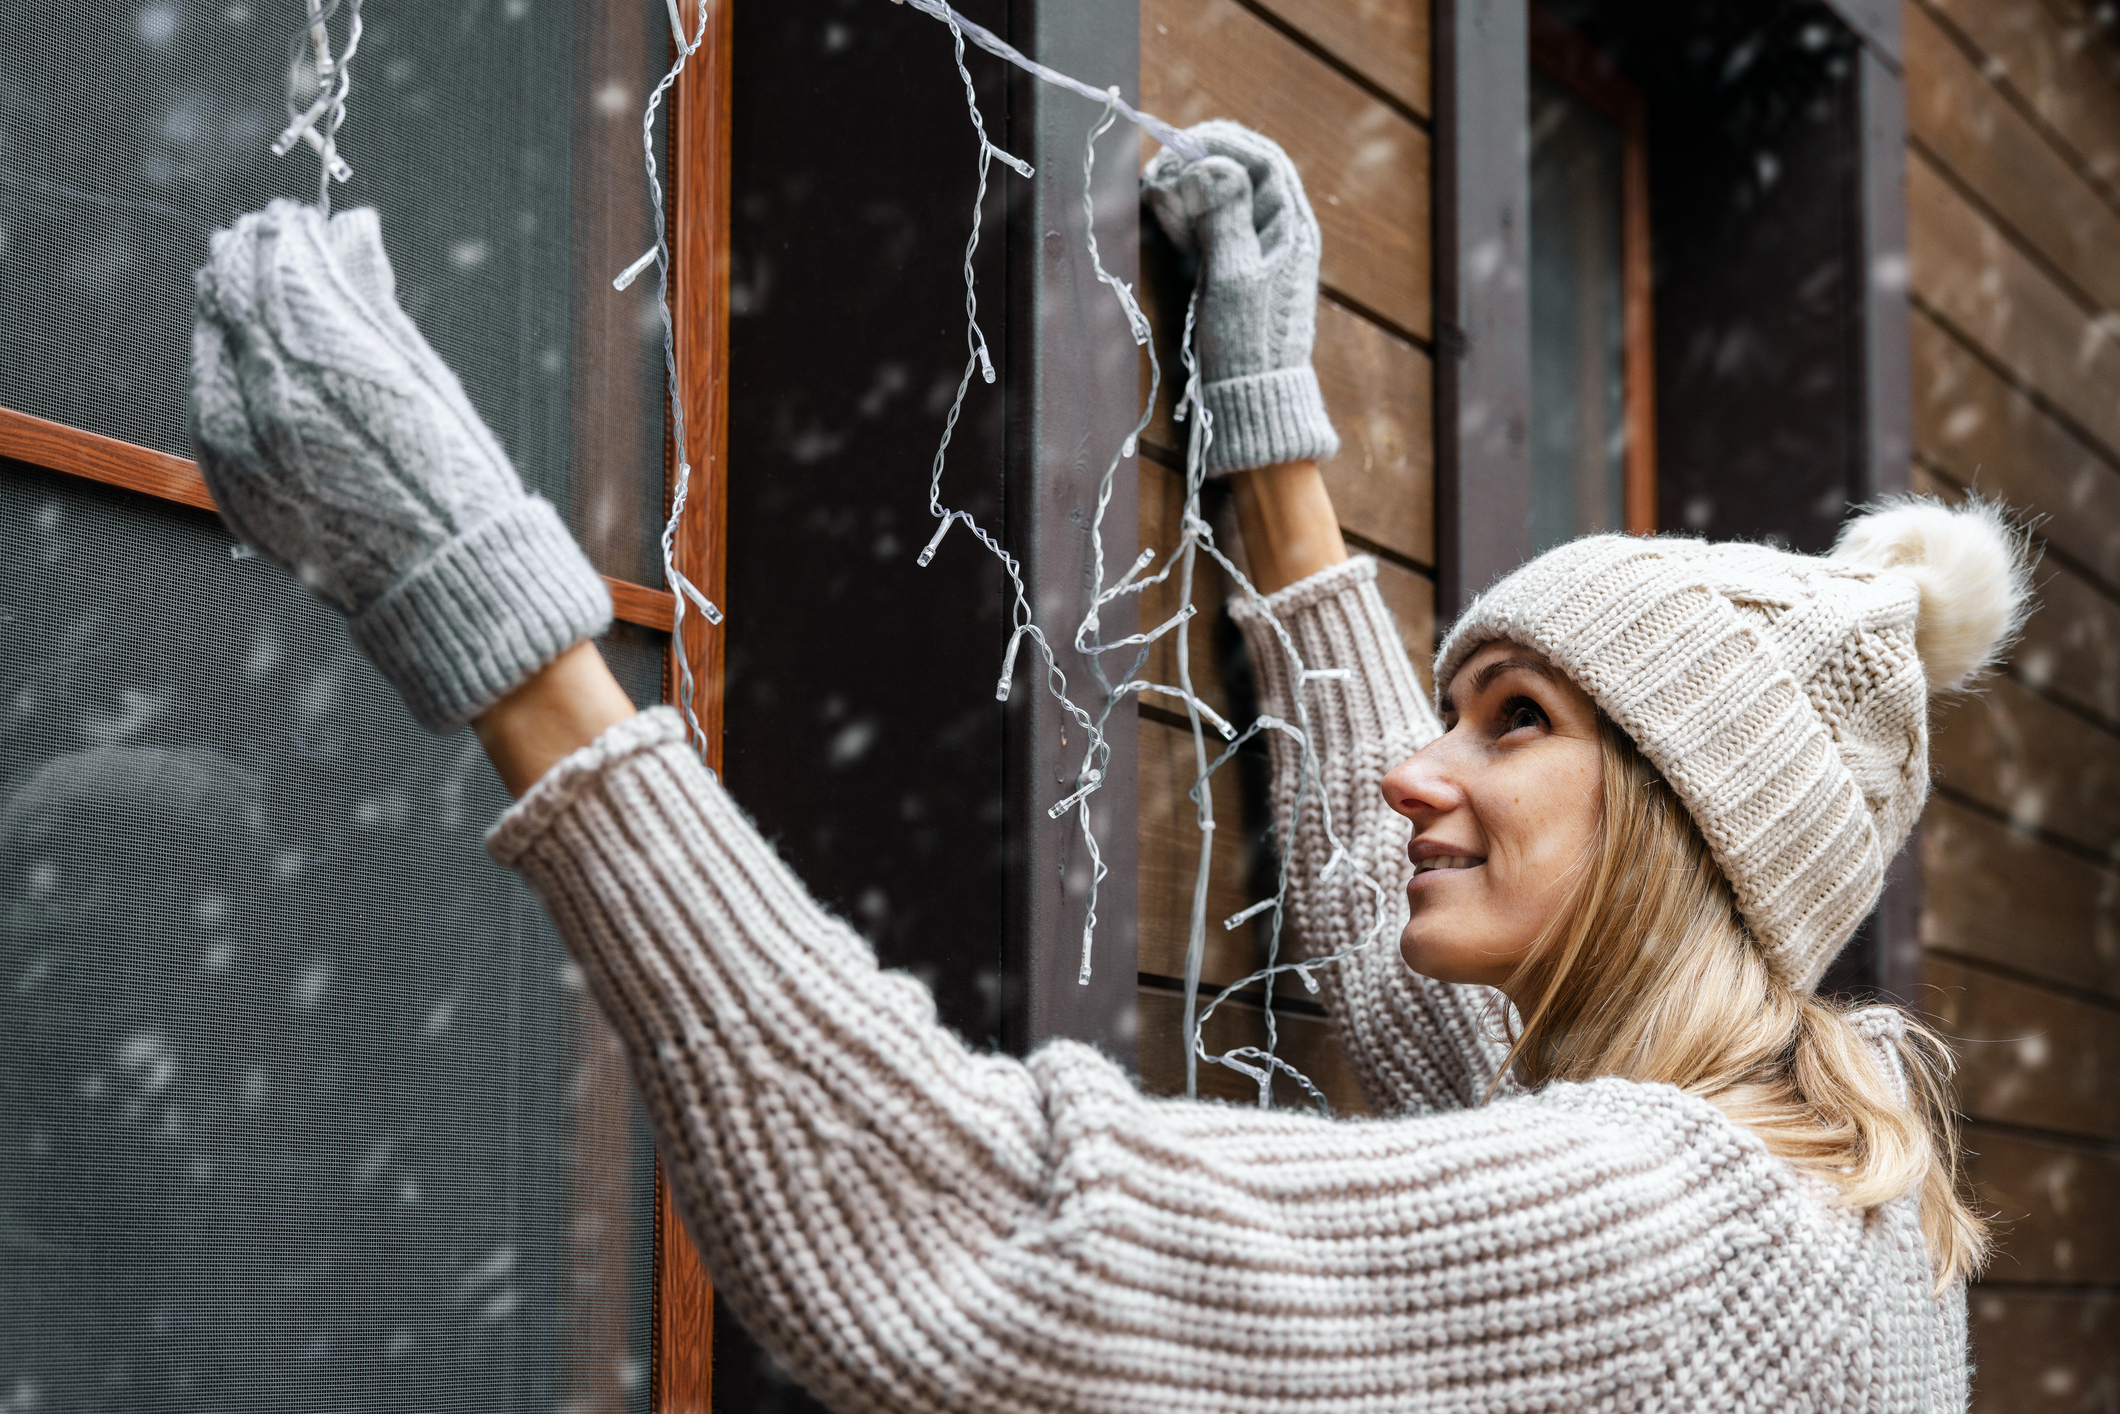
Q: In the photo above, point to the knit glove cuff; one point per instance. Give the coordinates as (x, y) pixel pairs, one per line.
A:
(470, 622)
(1264, 418)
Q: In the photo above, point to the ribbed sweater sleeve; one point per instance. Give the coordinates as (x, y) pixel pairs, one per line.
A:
(909, 1225)
(1414, 1043)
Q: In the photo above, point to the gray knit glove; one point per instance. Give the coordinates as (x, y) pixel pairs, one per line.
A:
(1243, 209)
(338, 444)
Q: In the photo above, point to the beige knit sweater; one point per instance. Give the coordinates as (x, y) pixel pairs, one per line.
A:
(910, 1225)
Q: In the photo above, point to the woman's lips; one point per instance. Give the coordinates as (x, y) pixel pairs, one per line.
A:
(1429, 868)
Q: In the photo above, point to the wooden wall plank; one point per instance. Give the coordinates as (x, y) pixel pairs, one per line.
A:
(1385, 41)
(1993, 894)
(2044, 1353)
(1169, 859)
(1973, 427)
(1364, 164)
(1381, 393)
(1994, 149)
(2055, 1219)
(2040, 765)
(1411, 599)
(2028, 1056)
(1306, 1041)
(1210, 636)
(2049, 66)
(1974, 276)
(2071, 647)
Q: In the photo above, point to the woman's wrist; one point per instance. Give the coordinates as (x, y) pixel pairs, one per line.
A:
(1289, 528)
(555, 712)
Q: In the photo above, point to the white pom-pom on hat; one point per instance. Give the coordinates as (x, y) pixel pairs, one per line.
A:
(1972, 568)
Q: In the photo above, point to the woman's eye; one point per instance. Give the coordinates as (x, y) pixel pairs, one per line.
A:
(1521, 714)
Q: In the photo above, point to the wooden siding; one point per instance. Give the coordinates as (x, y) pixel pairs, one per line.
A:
(1344, 86)
(2014, 224)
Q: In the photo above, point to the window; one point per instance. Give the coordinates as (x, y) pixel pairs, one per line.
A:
(1593, 438)
(302, 1101)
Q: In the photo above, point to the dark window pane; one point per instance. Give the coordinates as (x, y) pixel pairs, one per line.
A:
(301, 1103)
(499, 138)
(1578, 329)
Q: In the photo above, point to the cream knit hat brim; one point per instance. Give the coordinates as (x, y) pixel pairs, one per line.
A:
(1781, 695)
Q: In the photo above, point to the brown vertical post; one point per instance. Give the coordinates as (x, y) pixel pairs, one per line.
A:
(699, 248)
(1637, 280)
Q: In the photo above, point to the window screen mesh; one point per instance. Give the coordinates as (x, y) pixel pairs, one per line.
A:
(301, 1103)
(500, 139)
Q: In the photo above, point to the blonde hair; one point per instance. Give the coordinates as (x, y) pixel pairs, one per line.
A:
(1648, 974)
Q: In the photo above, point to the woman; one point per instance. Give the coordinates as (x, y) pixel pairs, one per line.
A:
(1665, 785)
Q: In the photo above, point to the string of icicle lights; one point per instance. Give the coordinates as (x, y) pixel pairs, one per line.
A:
(318, 84)
(1196, 538)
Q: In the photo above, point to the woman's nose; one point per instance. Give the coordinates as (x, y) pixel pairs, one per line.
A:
(1421, 786)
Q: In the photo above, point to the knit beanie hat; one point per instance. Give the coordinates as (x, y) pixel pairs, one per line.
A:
(1783, 696)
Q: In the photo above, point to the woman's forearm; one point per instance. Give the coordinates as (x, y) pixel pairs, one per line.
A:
(561, 708)
(1286, 516)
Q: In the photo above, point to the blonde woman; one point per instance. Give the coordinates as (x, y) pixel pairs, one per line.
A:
(1664, 785)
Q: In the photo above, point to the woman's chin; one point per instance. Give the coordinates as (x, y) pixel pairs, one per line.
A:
(1427, 950)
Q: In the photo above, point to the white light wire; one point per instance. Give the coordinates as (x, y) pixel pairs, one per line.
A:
(682, 590)
(1196, 537)
(318, 122)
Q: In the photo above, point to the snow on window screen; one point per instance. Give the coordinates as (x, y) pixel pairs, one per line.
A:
(302, 1104)
(499, 139)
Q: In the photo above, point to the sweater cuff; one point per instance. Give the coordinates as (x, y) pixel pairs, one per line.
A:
(1346, 577)
(518, 830)
(1263, 419)
(470, 622)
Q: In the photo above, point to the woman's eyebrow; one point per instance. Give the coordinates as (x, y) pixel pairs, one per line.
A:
(1485, 677)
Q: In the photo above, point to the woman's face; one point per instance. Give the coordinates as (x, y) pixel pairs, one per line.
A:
(1504, 806)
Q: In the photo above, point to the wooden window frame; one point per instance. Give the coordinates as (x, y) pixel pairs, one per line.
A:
(1564, 56)
(682, 1340)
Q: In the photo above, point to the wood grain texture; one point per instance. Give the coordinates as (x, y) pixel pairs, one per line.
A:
(684, 1315)
(1364, 164)
(1169, 860)
(700, 175)
(2055, 1219)
(2044, 1353)
(2027, 1056)
(1997, 152)
(1306, 1042)
(2039, 765)
(1212, 642)
(1975, 277)
(700, 203)
(1975, 428)
(1993, 894)
(56, 447)
(2052, 67)
(1381, 393)
(2071, 647)
(1411, 599)
(1385, 41)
